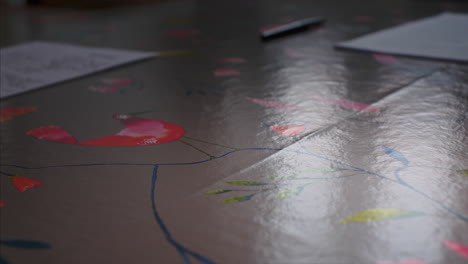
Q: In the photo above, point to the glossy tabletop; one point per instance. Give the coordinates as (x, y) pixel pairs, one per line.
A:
(227, 149)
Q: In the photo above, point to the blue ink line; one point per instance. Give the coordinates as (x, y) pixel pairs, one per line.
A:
(182, 250)
(272, 149)
(340, 162)
(433, 167)
(25, 244)
(400, 181)
(397, 175)
(411, 187)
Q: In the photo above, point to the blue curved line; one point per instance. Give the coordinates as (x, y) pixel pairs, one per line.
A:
(273, 149)
(401, 182)
(398, 177)
(183, 252)
(411, 187)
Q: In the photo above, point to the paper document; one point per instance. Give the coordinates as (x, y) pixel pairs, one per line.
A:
(443, 36)
(37, 64)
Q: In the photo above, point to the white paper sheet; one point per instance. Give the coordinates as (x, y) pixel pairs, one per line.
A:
(444, 36)
(33, 65)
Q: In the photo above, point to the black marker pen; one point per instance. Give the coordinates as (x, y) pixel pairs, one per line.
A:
(291, 27)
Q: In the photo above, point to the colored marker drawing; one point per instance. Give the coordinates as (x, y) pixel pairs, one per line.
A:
(348, 104)
(226, 72)
(137, 132)
(9, 113)
(460, 249)
(272, 104)
(288, 130)
(409, 261)
(379, 214)
(23, 183)
(282, 186)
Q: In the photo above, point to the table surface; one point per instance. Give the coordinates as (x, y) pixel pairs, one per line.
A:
(292, 151)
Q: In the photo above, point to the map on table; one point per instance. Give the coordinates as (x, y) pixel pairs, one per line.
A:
(444, 36)
(33, 65)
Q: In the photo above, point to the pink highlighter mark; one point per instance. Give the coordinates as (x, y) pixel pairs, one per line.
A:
(347, 104)
(137, 132)
(410, 261)
(271, 104)
(288, 130)
(183, 33)
(458, 248)
(233, 60)
(226, 72)
(103, 89)
(116, 81)
(386, 59)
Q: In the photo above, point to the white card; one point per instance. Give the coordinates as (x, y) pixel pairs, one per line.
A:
(443, 36)
(33, 65)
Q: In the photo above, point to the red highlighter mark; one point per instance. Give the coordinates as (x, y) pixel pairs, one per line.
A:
(348, 104)
(8, 113)
(2, 203)
(409, 261)
(386, 59)
(23, 183)
(272, 104)
(288, 130)
(458, 248)
(226, 72)
(137, 132)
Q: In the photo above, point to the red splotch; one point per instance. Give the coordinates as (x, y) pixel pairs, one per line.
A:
(348, 104)
(272, 104)
(23, 183)
(8, 113)
(226, 72)
(409, 261)
(288, 130)
(53, 133)
(386, 59)
(458, 248)
(137, 132)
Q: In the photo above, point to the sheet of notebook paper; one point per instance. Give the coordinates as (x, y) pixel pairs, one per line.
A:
(443, 36)
(33, 65)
